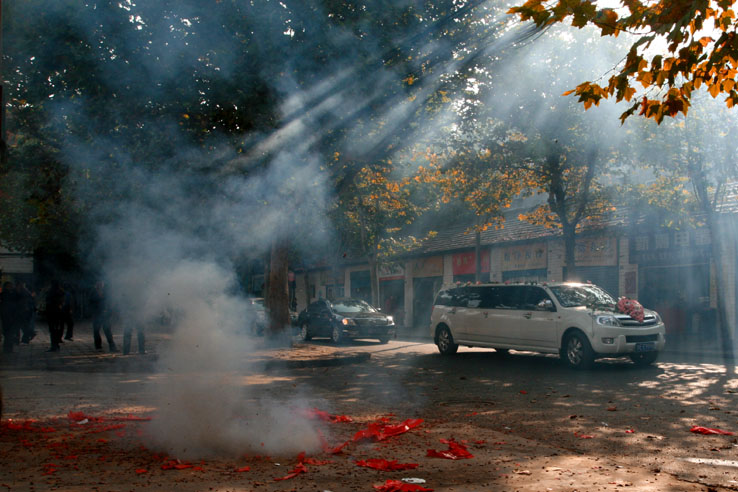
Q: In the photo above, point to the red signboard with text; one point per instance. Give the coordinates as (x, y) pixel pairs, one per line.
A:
(465, 263)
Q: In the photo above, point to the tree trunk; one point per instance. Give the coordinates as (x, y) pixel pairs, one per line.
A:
(278, 294)
(374, 280)
(570, 244)
(478, 256)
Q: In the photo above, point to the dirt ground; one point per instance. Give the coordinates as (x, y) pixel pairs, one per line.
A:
(78, 442)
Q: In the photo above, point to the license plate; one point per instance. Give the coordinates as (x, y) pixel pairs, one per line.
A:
(645, 347)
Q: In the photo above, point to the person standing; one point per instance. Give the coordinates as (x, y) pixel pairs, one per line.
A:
(101, 317)
(26, 312)
(9, 316)
(54, 314)
(68, 313)
(128, 328)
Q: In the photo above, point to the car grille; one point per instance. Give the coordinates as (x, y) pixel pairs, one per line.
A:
(371, 322)
(628, 321)
(641, 338)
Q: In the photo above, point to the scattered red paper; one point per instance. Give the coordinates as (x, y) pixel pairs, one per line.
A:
(176, 465)
(523, 392)
(141, 470)
(322, 415)
(455, 451)
(398, 486)
(298, 469)
(707, 430)
(583, 436)
(380, 432)
(243, 469)
(382, 464)
(630, 431)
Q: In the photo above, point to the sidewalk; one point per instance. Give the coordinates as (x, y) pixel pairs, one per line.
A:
(80, 355)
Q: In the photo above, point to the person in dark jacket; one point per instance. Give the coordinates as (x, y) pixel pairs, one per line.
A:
(101, 317)
(54, 314)
(68, 313)
(26, 312)
(9, 316)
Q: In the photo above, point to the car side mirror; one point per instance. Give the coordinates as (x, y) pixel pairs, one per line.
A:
(545, 305)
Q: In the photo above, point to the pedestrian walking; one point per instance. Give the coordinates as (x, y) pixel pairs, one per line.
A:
(54, 314)
(68, 313)
(9, 317)
(26, 312)
(101, 316)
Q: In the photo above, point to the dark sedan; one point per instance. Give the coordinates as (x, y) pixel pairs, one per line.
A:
(345, 318)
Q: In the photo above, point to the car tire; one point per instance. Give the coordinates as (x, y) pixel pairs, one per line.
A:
(445, 341)
(644, 358)
(576, 351)
(336, 335)
(305, 333)
(502, 351)
(384, 339)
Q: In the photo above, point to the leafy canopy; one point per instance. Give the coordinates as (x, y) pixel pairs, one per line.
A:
(700, 49)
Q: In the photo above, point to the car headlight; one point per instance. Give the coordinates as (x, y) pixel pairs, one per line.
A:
(347, 322)
(658, 317)
(390, 320)
(607, 320)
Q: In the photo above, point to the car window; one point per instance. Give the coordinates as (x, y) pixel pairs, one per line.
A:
(474, 297)
(351, 306)
(533, 296)
(445, 298)
(581, 295)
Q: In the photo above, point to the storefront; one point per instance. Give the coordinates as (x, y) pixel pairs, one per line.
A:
(392, 291)
(465, 266)
(524, 263)
(674, 279)
(361, 285)
(427, 276)
(597, 262)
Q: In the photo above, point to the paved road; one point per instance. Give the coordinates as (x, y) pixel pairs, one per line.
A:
(635, 417)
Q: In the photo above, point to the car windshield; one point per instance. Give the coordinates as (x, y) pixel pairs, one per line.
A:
(581, 295)
(352, 306)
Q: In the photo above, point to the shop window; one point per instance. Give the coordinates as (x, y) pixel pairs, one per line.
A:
(702, 237)
(641, 243)
(661, 241)
(681, 239)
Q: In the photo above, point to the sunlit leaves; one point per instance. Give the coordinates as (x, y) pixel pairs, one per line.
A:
(693, 56)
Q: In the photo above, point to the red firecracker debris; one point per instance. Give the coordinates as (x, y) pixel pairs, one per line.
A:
(141, 471)
(176, 465)
(243, 469)
(301, 458)
(380, 432)
(398, 486)
(382, 464)
(630, 431)
(298, 469)
(455, 451)
(325, 416)
(583, 436)
(707, 430)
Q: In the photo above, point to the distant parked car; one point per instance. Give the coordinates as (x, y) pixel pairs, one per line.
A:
(345, 318)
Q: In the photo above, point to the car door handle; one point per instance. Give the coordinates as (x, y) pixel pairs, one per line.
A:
(527, 315)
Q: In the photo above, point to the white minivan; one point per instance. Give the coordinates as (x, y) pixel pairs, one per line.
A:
(578, 321)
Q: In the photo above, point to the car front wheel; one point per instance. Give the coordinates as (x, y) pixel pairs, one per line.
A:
(577, 352)
(445, 342)
(337, 335)
(305, 333)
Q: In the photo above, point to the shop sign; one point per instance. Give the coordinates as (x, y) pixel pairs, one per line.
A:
(465, 263)
(428, 267)
(392, 271)
(600, 251)
(526, 257)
